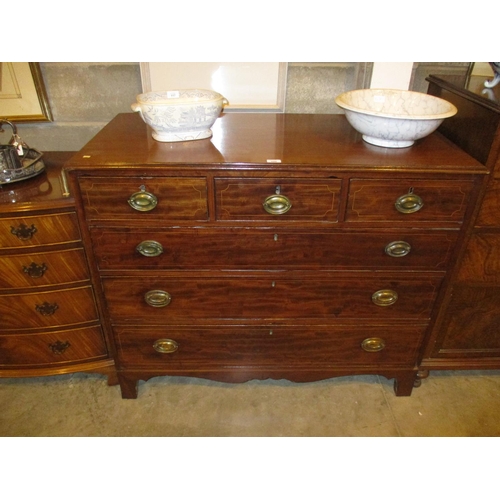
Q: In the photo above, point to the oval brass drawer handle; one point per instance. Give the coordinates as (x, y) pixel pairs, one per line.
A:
(373, 344)
(149, 248)
(384, 298)
(143, 201)
(157, 298)
(398, 249)
(277, 204)
(409, 203)
(165, 346)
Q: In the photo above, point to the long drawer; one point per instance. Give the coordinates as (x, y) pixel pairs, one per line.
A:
(190, 348)
(18, 232)
(165, 198)
(277, 199)
(376, 200)
(43, 268)
(47, 309)
(268, 249)
(181, 301)
(65, 346)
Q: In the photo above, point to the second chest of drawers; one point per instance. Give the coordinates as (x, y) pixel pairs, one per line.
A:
(47, 305)
(50, 322)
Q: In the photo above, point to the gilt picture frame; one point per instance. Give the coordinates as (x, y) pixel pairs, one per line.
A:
(23, 97)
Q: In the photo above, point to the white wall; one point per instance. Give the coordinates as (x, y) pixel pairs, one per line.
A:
(391, 75)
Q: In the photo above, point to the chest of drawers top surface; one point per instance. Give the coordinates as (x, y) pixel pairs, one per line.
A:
(269, 141)
(46, 191)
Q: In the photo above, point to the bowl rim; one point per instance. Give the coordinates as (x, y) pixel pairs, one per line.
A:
(141, 98)
(437, 116)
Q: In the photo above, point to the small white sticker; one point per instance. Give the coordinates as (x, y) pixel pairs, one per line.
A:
(273, 161)
(173, 94)
(379, 98)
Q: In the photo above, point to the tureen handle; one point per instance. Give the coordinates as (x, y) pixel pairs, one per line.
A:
(137, 108)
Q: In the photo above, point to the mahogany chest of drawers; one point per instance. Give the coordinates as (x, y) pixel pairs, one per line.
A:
(50, 322)
(282, 247)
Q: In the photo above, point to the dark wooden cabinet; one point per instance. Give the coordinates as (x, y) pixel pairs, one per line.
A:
(277, 249)
(466, 334)
(50, 322)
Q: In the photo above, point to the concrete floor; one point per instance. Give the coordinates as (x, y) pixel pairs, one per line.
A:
(447, 404)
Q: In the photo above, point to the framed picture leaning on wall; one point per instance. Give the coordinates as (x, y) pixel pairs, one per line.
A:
(23, 97)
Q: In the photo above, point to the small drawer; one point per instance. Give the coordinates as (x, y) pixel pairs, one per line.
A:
(19, 232)
(165, 198)
(47, 309)
(189, 348)
(66, 346)
(43, 268)
(277, 200)
(271, 249)
(408, 200)
(181, 301)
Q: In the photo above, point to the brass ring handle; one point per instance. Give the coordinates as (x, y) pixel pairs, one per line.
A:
(409, 203)
(143, 201)
(384, 298)
(277, 204)
(397, 248)
(149, 248)
(165, 346)
(157, 298)
(373, 344)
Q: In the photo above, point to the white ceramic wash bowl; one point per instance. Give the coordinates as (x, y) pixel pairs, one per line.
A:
(393, 118)
(180, 115)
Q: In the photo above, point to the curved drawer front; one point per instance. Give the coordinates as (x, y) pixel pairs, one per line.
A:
(272, 347)
(166, 198)
(16, 232)
(443, 201)
(177, 301)
(44, 268)
(47, 309)
(254, 249)
(65, 346)
(277, 200)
